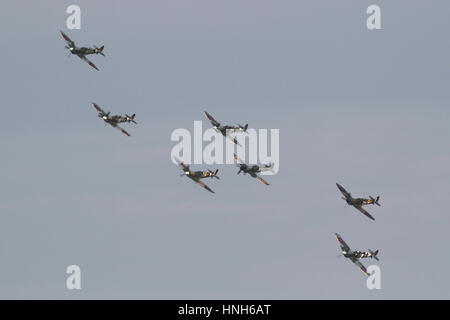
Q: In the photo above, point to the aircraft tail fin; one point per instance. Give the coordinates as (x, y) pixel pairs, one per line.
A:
(213, 174)
(131, 118)
(100, 50)
(246, 127)
(374, 254)
(375, 201)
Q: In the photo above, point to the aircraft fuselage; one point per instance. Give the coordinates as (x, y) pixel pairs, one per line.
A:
(357, 202)
(82, 50)
(250, 169)
(114, 119)
(198, 174)
(357, 254)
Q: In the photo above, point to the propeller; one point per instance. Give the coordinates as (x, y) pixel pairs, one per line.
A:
(241, 168)
(186, 171)
(66, 47)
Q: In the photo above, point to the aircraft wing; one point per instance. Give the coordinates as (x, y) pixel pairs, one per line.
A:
(360, 266)
(99, 110)
(202, 184)
(344, 246)
(233, 139)
(67, 39)
(181, 165)
(211, 119)
(344, 192)
(235, 157)
(261, 180)
(365, 212)
(83, 57)
(120, 129)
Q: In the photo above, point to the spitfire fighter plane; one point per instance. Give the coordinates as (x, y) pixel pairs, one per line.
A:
(115, 119)
(253, 170)
(225, 130)
(358, 203)
(354, 256)
(197, 175)
(82, 52)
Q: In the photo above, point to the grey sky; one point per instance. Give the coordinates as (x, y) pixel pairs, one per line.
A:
(367, 109)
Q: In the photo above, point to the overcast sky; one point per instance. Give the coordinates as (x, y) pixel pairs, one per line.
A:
(367, 109)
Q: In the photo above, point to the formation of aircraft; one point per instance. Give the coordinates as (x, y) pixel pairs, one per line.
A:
(358, 203)
(226, 130)
(82, 52)
(114, 120)
(197, 175)
(354, 256)
(253, 170)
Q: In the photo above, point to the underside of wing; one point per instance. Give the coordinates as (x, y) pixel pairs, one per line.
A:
(67, 39)
(344, 246)
(365, 212)
(233, 139)
(238, 160)
(360, 266)
(181, 165)
(261, 180)
(211, 119)
(203, 185)
(99, 110)
(87, 61)
(120, 129)
(343, 191)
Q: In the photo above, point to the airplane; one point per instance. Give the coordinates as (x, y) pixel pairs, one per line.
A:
(224, 130)
(81, 52)
(358, 203)
(114, 120)
(354, 256)
(197, 175)
(252, 170)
